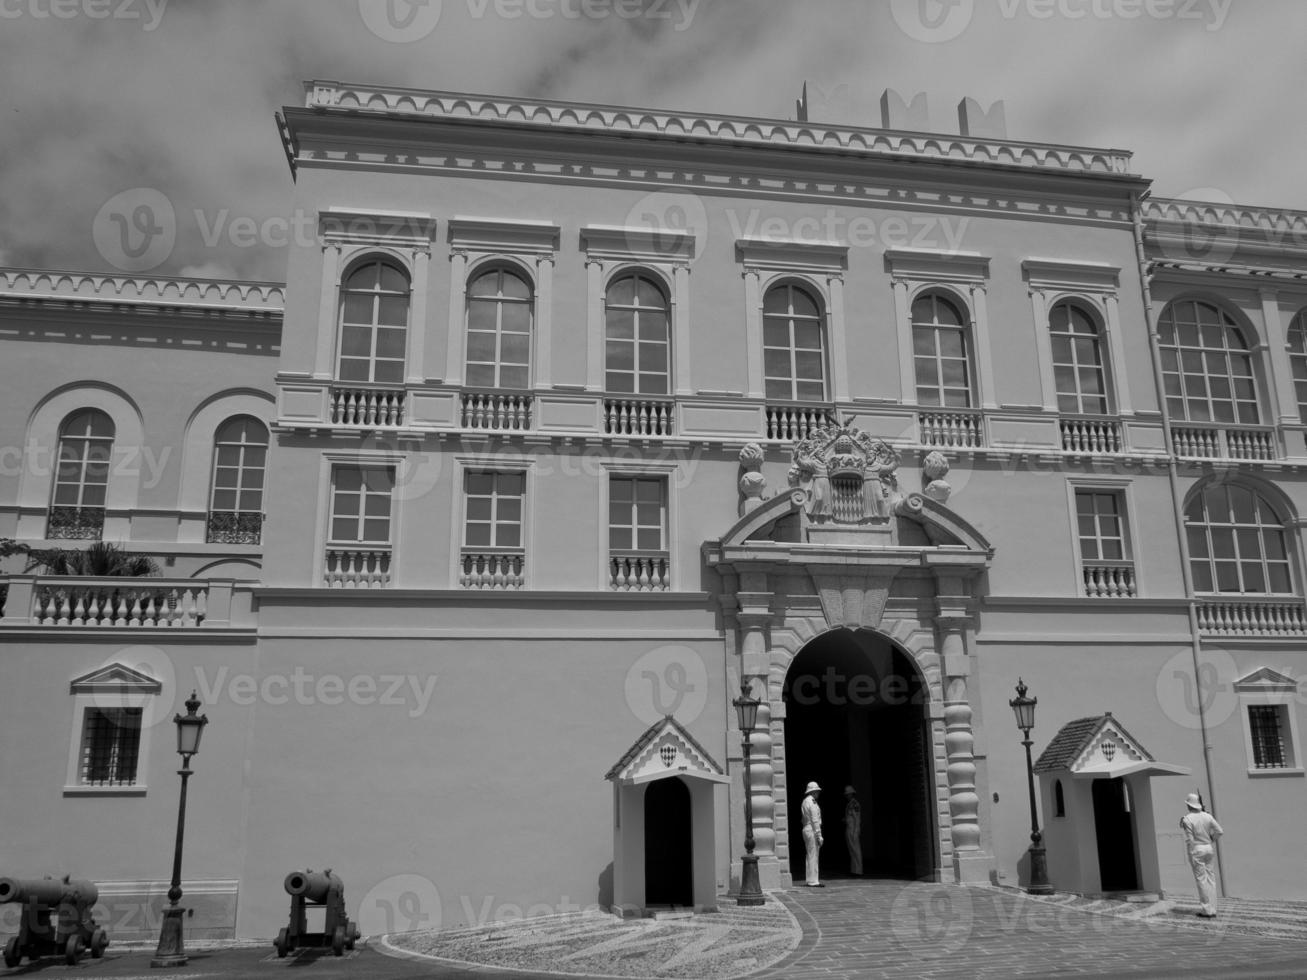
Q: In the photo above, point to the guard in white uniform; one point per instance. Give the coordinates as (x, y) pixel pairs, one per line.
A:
(1200, 833)
(812, 833)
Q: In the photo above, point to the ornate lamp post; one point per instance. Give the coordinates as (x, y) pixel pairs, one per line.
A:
(172, 950)
(1024, 708)
(746, 709)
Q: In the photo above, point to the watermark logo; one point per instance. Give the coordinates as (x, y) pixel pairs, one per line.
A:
(932, 21)
(668, 222)
(410, 692)
(418, 470)
(1199, 233)
(148, 12)
(135, 230)
(1188, 697)
(668, 680)
(400, 903)
(934, 916)
(400, 21)
(928, 231)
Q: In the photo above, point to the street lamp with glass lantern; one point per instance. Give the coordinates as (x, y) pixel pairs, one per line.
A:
(1024, 708)
(172, 949)
(746, 709)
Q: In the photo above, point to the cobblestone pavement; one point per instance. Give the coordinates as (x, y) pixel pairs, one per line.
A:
(880, 929)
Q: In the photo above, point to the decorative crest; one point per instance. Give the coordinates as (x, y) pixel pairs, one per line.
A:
(847, 475)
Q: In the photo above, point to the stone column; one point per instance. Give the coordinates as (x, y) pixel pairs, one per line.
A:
(594, 325)
(839, 366)
(457, 326)
(417, 371)
(1115, 345)
(544, 331)
(970, 863)
(680, 330)
(328, 300)
(753, 619)
(903, 326)
(1044, 350)
(984, 354)
(1283, 395)
(753, 332)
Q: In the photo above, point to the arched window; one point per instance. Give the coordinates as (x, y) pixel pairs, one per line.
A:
(794, 359)
(1206, 365)
(1298, 360)
(635, 336)
(500, 306)
(1237, 542)
(940, 352)
(374, 304)
(1077, 360)
(81, 476)
(240, 453)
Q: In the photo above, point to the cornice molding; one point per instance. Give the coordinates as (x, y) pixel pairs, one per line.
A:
(1056, 274)
(788, 255)
(921, 264)
(1174, 211)
(483, 110)
(87, 287)
(352, 226)
(499, 235)
(647, 244)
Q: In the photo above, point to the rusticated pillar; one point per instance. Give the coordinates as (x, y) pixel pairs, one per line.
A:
(970, 862)
(753, 619)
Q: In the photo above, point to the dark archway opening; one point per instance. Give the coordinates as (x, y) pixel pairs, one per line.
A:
(856, 714)
(668, 844)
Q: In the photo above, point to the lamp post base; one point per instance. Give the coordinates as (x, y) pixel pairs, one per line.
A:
(1039, 883)
(172, 949)
(750, 887)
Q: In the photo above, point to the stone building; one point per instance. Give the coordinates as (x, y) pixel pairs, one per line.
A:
(570, 418)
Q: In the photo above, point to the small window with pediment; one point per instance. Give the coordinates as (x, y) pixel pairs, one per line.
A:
(113, 713)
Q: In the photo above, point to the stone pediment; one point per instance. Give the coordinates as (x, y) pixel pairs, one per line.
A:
(665, 749)
(1099, 747)
(115, 678)
(1266, 681)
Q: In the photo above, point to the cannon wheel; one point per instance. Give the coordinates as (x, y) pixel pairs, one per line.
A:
(338, 941)
(99, 942)
(351, 935)
(282, 943)
(73, 950)
(12, 956)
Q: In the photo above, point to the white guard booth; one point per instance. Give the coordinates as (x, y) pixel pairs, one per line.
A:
(664, 804)
(1095, 788)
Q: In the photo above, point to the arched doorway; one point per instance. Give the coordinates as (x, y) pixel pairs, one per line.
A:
(668, 844)
(856, 714)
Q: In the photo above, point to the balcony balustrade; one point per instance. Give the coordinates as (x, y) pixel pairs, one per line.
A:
(357, 567)
(75, 523)
(1093, 435)
(951, 428)
(1224, 442)
(1109, 580)
(631, 416)
(367, 407)
(115, 601)
(492, 569)
(497, 411)
(1251, 616)
(639, 571)
(790, 423)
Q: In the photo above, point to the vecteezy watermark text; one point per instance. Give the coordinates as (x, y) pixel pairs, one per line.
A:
(363, 690)
(855, 230)
(150, 12)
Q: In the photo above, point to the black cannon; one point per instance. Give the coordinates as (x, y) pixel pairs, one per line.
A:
(317, 889)
(74, 931)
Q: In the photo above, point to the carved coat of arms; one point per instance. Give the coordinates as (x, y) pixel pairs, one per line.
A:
(847, 475)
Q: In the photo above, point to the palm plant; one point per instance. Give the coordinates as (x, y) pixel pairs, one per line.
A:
(100, 560)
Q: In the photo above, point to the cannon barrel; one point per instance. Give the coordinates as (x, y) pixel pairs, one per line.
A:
(315, 886)
(49, 891)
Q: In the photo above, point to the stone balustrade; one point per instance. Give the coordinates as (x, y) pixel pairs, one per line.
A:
(956, 428)
(789, 423)
(638, 416)
(357, 568)
(1109, 580)
(370, 407)
(1090, 435)
(1224, 442)
(1249, 616)
(116, 602)
(496, 411)
(639, 571)
(492, 569)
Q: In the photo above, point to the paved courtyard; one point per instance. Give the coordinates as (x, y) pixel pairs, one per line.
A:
(850, 929)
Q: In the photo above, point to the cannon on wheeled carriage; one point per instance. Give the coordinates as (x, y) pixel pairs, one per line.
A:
(321, 889)
(73, 932)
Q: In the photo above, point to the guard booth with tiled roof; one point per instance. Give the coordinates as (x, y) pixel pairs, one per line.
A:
(664, 823)
(1095, 787)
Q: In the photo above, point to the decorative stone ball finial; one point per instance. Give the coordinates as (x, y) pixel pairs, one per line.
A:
(753, 485)
(933, 470)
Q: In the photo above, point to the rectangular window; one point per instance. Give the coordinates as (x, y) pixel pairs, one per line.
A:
(1100, 515)
(360, 504)
(494, 510)
(637, 533)
(111, 746)
(1266, 724)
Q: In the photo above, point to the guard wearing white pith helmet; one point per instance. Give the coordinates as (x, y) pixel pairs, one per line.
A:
(811, 834)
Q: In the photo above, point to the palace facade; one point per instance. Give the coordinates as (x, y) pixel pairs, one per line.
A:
(569, 421)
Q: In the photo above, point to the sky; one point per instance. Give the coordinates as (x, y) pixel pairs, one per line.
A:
(176, 98)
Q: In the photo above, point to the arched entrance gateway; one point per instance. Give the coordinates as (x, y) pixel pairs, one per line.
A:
(852, 606)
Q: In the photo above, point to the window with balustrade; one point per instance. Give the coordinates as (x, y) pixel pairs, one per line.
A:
(500, 308)
(1297, 343)
(1207, 367)
(638, 558)
(240, 454)
(793, 348)
(1078, 360)
(81, 480)
(374, 308)
(1237, 542)
(637, 371)
(494, 553)
(941, 351)
(359, 535)
(1106, 565)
